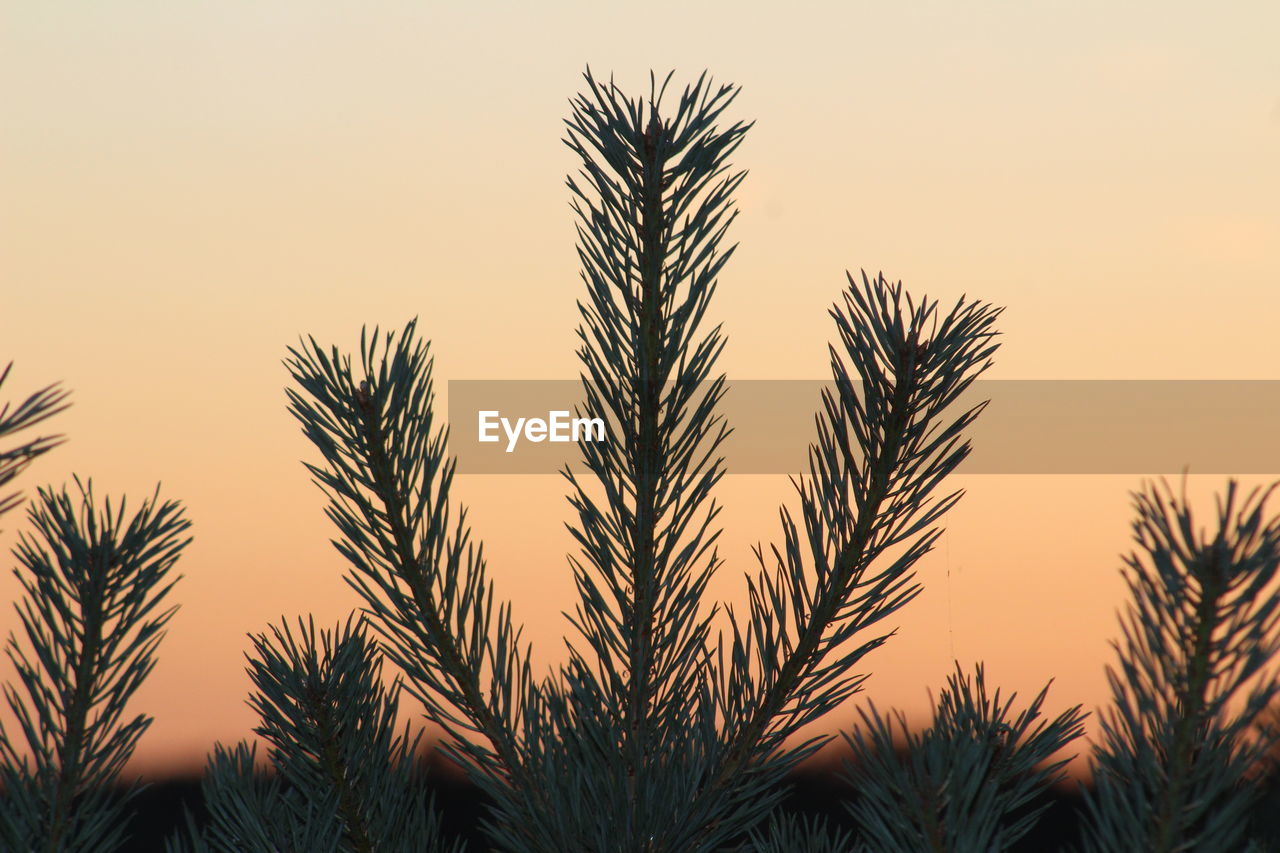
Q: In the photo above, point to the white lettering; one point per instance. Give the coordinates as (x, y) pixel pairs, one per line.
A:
(593, 427)
(559, 427)
(487, 424)
(559, 420)
(513, 435)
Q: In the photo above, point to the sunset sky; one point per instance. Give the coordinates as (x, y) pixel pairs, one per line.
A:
(186, 188)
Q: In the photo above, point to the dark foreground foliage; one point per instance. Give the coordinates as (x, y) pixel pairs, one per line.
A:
(816, 790)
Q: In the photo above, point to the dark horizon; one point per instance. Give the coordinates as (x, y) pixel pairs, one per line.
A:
(816, 788)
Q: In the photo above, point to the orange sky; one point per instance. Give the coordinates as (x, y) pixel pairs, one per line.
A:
(186, 190)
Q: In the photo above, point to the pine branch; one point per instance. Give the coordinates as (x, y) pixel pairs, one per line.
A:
(968, 784)
(251, 811)
(343, 775)
(93, 584)
(871, 476)
(423, 581)
(784, 833)
(647, 542)
(1195, 676)
(41, 405)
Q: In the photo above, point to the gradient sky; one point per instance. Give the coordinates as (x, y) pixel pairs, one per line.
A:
(185, 188)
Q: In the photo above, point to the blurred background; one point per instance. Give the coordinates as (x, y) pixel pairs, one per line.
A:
(188, 188)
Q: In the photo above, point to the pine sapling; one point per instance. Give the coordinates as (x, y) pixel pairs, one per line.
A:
(655, 735)
(972, 782)
(345, 779)
(95, 581)
(1195, 675)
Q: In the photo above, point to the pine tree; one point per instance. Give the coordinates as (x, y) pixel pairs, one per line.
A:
(656, 735)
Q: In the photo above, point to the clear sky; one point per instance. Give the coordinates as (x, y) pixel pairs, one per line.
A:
(187, 187)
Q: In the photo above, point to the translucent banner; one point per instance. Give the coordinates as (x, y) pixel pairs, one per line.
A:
(1029, 427)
